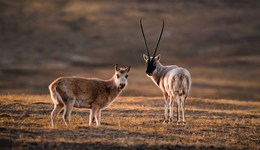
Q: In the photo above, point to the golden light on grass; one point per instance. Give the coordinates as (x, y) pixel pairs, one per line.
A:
(133, 122)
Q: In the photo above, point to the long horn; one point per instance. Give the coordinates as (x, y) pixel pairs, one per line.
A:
(144, 38)
(158, 40)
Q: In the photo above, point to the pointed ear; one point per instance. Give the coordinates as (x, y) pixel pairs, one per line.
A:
(117, 67)
(145, 57)
(158, 57)
(128, 69)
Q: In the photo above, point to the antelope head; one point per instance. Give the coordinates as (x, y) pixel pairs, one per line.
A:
(121, 75)
(151, 61)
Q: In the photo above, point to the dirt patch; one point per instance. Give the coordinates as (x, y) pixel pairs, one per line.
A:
(131, 123)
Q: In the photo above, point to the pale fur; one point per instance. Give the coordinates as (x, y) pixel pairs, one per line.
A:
(175, 83)
(90, 93)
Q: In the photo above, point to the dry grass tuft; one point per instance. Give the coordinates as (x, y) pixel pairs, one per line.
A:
(131, 122)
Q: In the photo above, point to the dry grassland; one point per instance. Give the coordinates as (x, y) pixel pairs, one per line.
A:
(216, 40)
(131, 123)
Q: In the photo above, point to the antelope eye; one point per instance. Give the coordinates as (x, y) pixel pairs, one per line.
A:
(154, 63)
(117, 76)
(126, 76)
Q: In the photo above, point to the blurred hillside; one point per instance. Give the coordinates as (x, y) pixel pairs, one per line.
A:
(217, 40)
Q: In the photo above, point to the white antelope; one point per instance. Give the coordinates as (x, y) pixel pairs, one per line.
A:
(91, 93)
(174, 81)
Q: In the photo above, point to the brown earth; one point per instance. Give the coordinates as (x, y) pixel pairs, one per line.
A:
(216, 40)
(130, 123)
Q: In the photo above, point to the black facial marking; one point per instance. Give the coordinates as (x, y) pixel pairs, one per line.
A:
(151, 66)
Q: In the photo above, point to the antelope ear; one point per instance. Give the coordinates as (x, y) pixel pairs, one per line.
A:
(117, 67)
(158, 57)
(145, 57)
(128, 69)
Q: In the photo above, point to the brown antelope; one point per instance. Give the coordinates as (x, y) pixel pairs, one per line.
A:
(91, 93)
(174, 81)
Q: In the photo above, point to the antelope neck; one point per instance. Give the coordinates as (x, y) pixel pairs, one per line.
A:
(161, 71)
(158, 74)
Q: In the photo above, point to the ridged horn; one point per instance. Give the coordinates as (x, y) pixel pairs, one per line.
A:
(147, 49)
(158, 41)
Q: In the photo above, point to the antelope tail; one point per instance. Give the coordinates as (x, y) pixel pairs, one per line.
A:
(180, 84)
(55, 96)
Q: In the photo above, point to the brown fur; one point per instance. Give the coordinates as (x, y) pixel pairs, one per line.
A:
(91, 93)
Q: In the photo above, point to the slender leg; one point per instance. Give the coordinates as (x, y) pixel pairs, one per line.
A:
(90, 117)
(92, 114)
(67, 112)
(166, 107)
(56, 110)
(183, 108)
(178, 109)
(166, 113)
(98, 118)
(171, 104)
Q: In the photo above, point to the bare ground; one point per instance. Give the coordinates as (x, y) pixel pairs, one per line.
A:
(218, 41)
(131, 123)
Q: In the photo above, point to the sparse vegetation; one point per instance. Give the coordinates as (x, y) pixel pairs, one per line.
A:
(216, 40)
(131, 122)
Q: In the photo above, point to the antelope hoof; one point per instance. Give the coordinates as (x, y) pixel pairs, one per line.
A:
(165, 121)
(67, 123)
